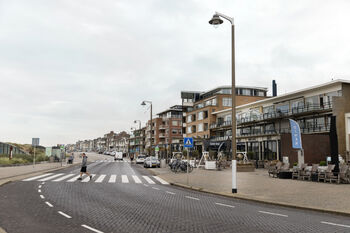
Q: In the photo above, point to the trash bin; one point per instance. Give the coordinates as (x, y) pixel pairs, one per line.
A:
(162, 163)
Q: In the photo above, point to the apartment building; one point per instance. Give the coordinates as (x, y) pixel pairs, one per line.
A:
(198, 108)
(152, 136)
(137, 141)
(263, 126)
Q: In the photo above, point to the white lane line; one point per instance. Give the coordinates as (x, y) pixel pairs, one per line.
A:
(155, 188)
(42, 197)
(125, 179)
(136, 179)
(51, 177)
(91, 229)
(37, 177)
(63, 177)
(112, 179)
(43, 183)
(160, 180)
(335, 224)
(281, 215)
(170, 193)
(49, 204)
(216, 203)
(193, 198)
(39, 186)
(63, 214)
(39, 190)
(148, 180)
(74, 178)
(100, 179)
(145, 185)
(87, 179)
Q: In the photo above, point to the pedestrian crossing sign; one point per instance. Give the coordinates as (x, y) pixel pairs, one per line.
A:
(188, 142)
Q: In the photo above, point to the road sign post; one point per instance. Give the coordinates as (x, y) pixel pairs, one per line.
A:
(188, 143)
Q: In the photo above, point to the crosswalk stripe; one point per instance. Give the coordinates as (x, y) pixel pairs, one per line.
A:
(125, 179)
(100, 179)
(148, 180)
(136, 179)
(74, 178)
(112, 179)
(51, 177)
(160, 180)
(37, 177)
(87, 179)
(63, 177)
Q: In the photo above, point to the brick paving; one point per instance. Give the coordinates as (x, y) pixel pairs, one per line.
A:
(259, 186)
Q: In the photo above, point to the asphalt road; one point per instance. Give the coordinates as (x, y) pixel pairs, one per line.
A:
(124, 197)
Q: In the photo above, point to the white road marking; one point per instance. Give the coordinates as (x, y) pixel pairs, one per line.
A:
(39, 186)
(39, 190)
(100, 179)
(281, 215)
(125, 179)
(74, 178)
(335, 224)
(87, 179)
(51, 177)
(49, 204)
(91, 229)
(145, 185)
(194, 198)
(37, 177)
(170, 193)
(224, 205)
(63, 177)
(63, 214)
(112, 179)
(148, 180)
(160, 180)
(42, 197)
(155, 188)
(136, 179)
(43, 183)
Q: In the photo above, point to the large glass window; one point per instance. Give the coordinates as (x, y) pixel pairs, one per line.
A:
(200, 116)
(312, 101)
(175, 123)
(283, 107)
(189, 119)
(297, 105)
(200, 127)
(227, 102)
(189, 129)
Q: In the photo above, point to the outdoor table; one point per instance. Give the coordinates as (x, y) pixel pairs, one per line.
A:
(285, 175)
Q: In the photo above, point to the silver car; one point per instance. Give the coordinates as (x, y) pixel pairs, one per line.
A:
(151, 162)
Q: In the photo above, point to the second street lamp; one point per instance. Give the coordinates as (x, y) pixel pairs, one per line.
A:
(143, 104)
(216, 20)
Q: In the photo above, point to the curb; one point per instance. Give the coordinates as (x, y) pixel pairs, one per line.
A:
(2, 230)
(10, 179)
(242, 197)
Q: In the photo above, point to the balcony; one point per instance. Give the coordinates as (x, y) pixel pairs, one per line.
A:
(296, 111)
(163, 127)
(162, 135)
(220, 124)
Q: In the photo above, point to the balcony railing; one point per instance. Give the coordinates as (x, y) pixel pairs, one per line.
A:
(220, 124)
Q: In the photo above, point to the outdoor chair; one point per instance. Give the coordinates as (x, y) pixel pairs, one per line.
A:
(322, 175)
(298, 172)
(340, 176)
(273, 168)
(276, 171)
(309, 173)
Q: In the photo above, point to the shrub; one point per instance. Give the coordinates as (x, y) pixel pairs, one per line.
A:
(295, 164)
(323, 163)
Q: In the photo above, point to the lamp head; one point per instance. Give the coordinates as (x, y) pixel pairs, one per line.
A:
(215, 21)
(143, 103)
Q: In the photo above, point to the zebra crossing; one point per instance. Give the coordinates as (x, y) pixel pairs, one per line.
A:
(111, 161)
(98, 178)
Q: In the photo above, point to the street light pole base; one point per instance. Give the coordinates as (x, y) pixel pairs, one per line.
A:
(234, 190)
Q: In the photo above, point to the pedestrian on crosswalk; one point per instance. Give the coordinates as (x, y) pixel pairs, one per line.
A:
(84, 167)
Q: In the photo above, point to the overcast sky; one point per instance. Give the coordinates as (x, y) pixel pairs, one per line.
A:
(72, 70)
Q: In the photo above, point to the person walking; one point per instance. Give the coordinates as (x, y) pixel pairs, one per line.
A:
(83, 167)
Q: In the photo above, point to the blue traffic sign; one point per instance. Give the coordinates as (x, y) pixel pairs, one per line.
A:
(188, 142)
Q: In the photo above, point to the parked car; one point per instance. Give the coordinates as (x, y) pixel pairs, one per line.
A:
(151, 162)
(113, 153)
(140, 159)
(118, 155)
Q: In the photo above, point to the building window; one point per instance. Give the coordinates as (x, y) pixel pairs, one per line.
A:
(189, 129)
(175, 123)
(226, 102)
(200, 127)
(189, 119)
(200, 116)
(174, 131)
(206, 126)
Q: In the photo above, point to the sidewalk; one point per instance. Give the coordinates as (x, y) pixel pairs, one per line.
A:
(259, 186)
(8, 174)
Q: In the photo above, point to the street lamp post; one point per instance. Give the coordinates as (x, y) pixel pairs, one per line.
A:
(144, 103)
(216, 20)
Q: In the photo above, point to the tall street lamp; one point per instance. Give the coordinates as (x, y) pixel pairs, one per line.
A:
(143, 104)
(216, 20)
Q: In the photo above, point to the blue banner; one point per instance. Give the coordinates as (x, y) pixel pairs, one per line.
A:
(295, 133)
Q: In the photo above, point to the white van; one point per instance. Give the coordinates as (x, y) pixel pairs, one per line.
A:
(118, 156)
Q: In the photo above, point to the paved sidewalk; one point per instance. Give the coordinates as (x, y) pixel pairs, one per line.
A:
(259, 186)
(19, 172)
